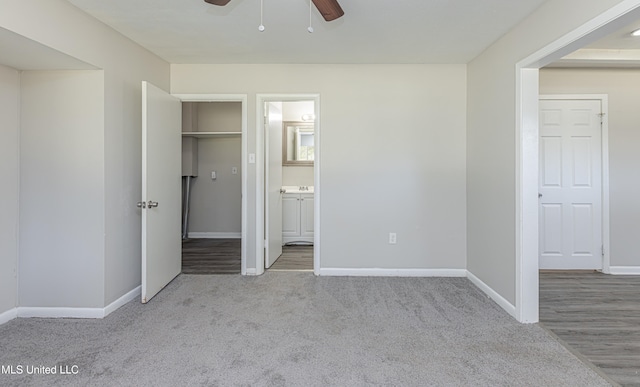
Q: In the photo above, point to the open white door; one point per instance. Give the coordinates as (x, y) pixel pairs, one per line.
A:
(273, 197)
(161, 189)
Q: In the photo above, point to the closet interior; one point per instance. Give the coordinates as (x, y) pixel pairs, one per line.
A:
(211, 187)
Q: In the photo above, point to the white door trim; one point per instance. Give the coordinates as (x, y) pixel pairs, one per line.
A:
(604, 103)
(260, 171)
(527, 90)
(244, 178)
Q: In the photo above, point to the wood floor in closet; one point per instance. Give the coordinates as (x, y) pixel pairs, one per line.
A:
(598, 316)
(211, 256)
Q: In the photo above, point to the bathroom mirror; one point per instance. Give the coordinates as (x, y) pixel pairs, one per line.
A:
(297, 143)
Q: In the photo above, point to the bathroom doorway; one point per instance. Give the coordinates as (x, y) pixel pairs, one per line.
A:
(290, 163)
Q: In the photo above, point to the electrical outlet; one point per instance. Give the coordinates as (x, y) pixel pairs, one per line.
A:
(392, 238)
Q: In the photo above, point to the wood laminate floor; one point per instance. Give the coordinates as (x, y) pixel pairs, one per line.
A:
(598, 316)
(211, 256)
(222, 256)
(298, 258)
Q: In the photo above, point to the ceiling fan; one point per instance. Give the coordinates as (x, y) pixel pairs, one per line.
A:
(330, 9)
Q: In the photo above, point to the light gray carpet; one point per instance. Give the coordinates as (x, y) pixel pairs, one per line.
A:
(294, 329)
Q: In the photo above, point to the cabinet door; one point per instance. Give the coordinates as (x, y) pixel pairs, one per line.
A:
(306, 216)
(290, 215)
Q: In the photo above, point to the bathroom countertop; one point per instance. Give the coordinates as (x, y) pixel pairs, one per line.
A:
(297, 189)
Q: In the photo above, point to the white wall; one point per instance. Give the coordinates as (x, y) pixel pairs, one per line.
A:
(216, 205)
(623, 88)
(298, 175)
(62, 189)
(219, 116)
(385, 166)
(61, 26)
(9, 189)
(491, 138)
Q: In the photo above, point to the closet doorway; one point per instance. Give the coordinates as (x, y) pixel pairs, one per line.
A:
(289, 136)
(213, 186)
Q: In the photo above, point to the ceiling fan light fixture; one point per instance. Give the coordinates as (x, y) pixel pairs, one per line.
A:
(310, 29)
(329, 9)
(218, 2)
(261, 26)
(636, 33)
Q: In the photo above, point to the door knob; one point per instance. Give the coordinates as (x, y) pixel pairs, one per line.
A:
(141, 205)
(152, 204)
(539, 195)
(283, 191)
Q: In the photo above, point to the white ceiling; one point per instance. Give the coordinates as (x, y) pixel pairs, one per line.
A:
(619, 40)
(371, 31)
(618, 49)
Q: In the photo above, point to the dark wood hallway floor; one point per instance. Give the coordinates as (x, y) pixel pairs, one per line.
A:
(598, 316)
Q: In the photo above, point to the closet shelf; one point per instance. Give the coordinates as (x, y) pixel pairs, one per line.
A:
(210, 134)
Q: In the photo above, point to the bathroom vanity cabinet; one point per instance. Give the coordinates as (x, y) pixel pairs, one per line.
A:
(297, 217)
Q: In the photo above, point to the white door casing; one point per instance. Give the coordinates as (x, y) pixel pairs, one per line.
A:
(273, 196)
(526, 90)
(161, 189)
(261, 183)
(570, 184)
(242, 98)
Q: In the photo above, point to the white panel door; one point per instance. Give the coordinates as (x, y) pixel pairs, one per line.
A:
(161, 189)
(273, 197)
(570, 211)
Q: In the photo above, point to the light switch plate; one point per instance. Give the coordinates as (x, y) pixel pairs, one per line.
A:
(393, 238)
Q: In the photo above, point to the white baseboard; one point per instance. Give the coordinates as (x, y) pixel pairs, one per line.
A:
(9, 315)
(624, 270)
(54, 312)
(498, 299)
(375, 272)
(215, 235)
(131, 295)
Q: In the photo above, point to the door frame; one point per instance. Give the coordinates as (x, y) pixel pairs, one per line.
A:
(261, 151)
(242, 98)
(526, 146)
(604, 154)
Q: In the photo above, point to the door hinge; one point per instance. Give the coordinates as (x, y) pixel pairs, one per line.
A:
(264, 244)
(603, 250)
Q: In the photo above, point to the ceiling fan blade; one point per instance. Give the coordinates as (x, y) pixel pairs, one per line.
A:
(330, 9)
(217, 2)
